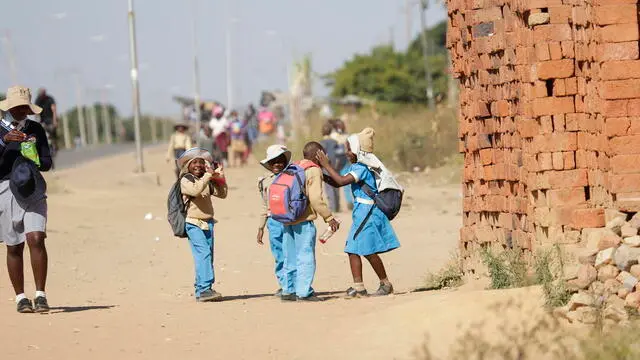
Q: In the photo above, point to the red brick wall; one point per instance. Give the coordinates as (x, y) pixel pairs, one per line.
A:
(549, 118)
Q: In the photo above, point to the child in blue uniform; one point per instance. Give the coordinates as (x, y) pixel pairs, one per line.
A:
(371, 233)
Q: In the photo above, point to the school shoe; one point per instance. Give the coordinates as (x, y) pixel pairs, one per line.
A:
(288, 297)
(24, 306)
(41, 305)
(384, 290)
(310, 298)
(352, 293)
(209, 295)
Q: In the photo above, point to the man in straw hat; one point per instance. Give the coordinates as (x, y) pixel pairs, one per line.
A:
(179, 142)
(23, 204)
(199, 181)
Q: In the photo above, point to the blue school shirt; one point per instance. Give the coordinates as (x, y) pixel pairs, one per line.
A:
(362, 174)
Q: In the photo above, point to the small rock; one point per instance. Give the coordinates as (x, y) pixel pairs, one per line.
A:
(580, 299)
(609, 241)
(614, 309)
(635, 271)
(633, 241)
(615, 225)
(625, 256)
(610, 214)
(599, 238)
(148, 216)
(612, 286)
(586, 275)
(635, 221)
(76, 330)
(628, 281)
(587, 256)
(571, 272)
(628, 231)
(633, 300)
(622, 293)
(607, 272)
(538, 19)
(585, 315)
(605, 257)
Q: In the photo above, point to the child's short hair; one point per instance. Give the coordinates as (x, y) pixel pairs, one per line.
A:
(311, 149)
(327, 128)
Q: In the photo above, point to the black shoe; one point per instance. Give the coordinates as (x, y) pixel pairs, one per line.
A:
(209, 295)
(288, 297)
(41, 305)
(310, 298)
(353, 293)
(24, 306)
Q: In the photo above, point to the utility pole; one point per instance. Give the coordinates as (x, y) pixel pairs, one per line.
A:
(409, 22)
(229, 67)
(82, 128)
(95, 139)
(106, 119)
(153, 124)
(135, 88)
(424, 5)
(65, 131)
(10, 57)
(196, 75)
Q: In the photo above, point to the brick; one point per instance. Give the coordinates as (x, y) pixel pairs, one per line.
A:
(625, 145)
(618, 51)
(633, 107)
(617, 126)
(581, 159)
(568, 49)
(625, 164)
(571, 86)
(624, 183)
(567, 196)
(620, 89)
(552, 32)
(619, 70)
(527, 127)
(560, 14)
(616, 14)
(588, 218)
(546, 124)
(569, 160)
(571, 122)
(556, 69)
(614, 108)
(545, 161)
(556, 142)
(557, 161)
(486, 15)
(559, 88)
(555, 51)
(618, 33)
(542, 52)
(559, 123)
(540, 89)
(553, 105)
(486, 156)
(612, 2)
(568, 178)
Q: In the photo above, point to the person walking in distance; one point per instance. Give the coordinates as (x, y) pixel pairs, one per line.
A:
(48, 116)
(179, 142)
(24, 152)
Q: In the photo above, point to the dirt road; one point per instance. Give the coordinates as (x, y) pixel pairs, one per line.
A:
(121, 286)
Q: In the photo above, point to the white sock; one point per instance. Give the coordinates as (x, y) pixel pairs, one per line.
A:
(40, 293)
(19, 297)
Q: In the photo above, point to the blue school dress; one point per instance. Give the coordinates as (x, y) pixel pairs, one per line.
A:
(377, 235)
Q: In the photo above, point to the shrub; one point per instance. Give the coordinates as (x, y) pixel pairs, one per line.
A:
(507, 269)
(549, 271)
(448, 277)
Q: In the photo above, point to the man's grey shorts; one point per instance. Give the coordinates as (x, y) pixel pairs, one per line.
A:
(16, 220)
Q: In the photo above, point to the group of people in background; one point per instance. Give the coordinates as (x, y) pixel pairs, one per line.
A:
(228, 136)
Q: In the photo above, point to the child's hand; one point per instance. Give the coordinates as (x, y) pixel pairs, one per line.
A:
(260, 236)
(334, 225)
(322, 159)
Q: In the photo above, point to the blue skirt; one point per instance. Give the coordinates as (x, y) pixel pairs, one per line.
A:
(377, 235)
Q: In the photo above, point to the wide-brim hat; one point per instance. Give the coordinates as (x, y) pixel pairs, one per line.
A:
(273, 152)
(26, 182)
(194, 153)
(19, 96)
(181, 124)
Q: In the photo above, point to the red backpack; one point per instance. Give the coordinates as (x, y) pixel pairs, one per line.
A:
(288, 200)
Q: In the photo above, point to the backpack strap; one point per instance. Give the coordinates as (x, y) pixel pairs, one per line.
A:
(362, 224)
(368, 190)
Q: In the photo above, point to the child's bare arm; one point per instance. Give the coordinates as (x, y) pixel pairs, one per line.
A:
(191, 186)
(337, 180)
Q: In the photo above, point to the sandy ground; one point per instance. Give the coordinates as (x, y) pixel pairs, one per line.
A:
(121, 286)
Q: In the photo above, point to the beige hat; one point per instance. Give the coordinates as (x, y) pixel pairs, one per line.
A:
(194, 153)
(19, 96)
(366, 139)
(275, 151)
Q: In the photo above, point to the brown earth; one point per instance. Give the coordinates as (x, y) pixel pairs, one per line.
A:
(120, 285)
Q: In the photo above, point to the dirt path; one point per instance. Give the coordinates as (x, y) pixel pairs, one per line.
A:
(121, 286)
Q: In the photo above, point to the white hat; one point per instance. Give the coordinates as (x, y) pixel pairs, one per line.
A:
(19, 96)
(275, 151)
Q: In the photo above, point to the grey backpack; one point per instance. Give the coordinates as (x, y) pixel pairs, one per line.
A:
(177, 211)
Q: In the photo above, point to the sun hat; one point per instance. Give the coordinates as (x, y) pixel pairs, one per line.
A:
(366, 140)
(181, 124)
(192, 154)
(19, 96)
(273, 152)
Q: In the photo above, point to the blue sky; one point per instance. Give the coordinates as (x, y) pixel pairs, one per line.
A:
(53, 38)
